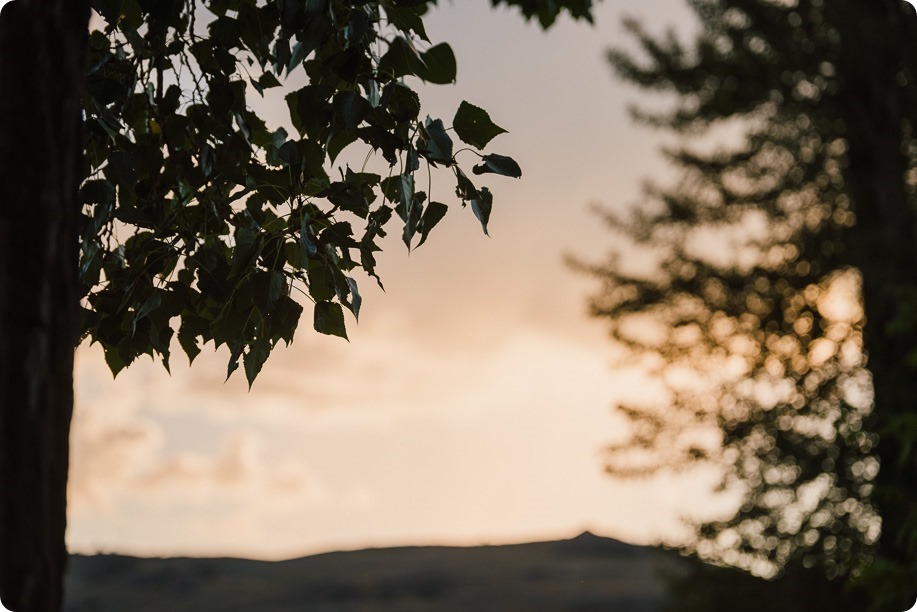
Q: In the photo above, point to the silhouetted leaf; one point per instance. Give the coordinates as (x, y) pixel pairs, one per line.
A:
(356, 300)
(434, 212)
(481, 206)
(437, 147)
(473, 125)
(407, 19)
(438, 65)
(498, 164)
(351, 108)
(400, 59)
(254, 359)
(329, 319)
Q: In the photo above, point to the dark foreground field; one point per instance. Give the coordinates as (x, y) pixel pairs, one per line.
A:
(586, 573)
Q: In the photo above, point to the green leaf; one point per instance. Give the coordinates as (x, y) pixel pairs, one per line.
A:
(437, 147)
(299, 53)
(115, 11)
(245, 251)
(191, 328)
(400, 59)
(411, 213)
(498, 164)
(90, 264)
(431, 216)
(356, 300)
(339, 142)
(160, 338)
(406, 19)
(289, 154)
(368, 261)
(285, 319)
(547, 11)
(399, 190)
(314, 6)
(244, 127)
(219, 7)
(267, 288)
(377, 220)
(126, 13)
(307, 238)
(121, 169)
(350, 108)
(357, 28)
(329, 319)
(439, 65)
(268, 80)
(464, 188)
(401, 101)
(281, 54)
(354, 194)
(481, 207)
(339, 234)
(151, 304)
(321, 281)
(473, 125)
(310, 110)
(113, 359)
(254, 359)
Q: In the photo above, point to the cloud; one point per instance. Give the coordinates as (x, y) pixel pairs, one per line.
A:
(109, 449)
(236, 474)
(131, 489)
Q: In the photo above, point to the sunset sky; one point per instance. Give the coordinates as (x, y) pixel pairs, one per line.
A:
(473, 400)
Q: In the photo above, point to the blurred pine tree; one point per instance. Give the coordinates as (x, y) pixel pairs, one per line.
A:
(781, 312)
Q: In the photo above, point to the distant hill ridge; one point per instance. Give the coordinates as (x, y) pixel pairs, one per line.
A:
(585, 573)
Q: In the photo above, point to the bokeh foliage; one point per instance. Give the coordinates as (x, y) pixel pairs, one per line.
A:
(748, 302)
(202, 221)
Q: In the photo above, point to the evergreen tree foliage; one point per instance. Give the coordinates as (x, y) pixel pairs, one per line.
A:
(768, 273)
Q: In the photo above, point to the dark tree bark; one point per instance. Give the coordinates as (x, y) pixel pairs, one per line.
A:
(881, 45)
(42, 51)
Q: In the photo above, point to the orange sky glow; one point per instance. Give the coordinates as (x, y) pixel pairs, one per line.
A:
(473, 400)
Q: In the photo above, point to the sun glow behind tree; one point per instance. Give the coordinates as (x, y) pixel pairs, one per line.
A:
(762, 342)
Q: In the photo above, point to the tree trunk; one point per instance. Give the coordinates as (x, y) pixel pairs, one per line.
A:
(42, 51)
(878, 45)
